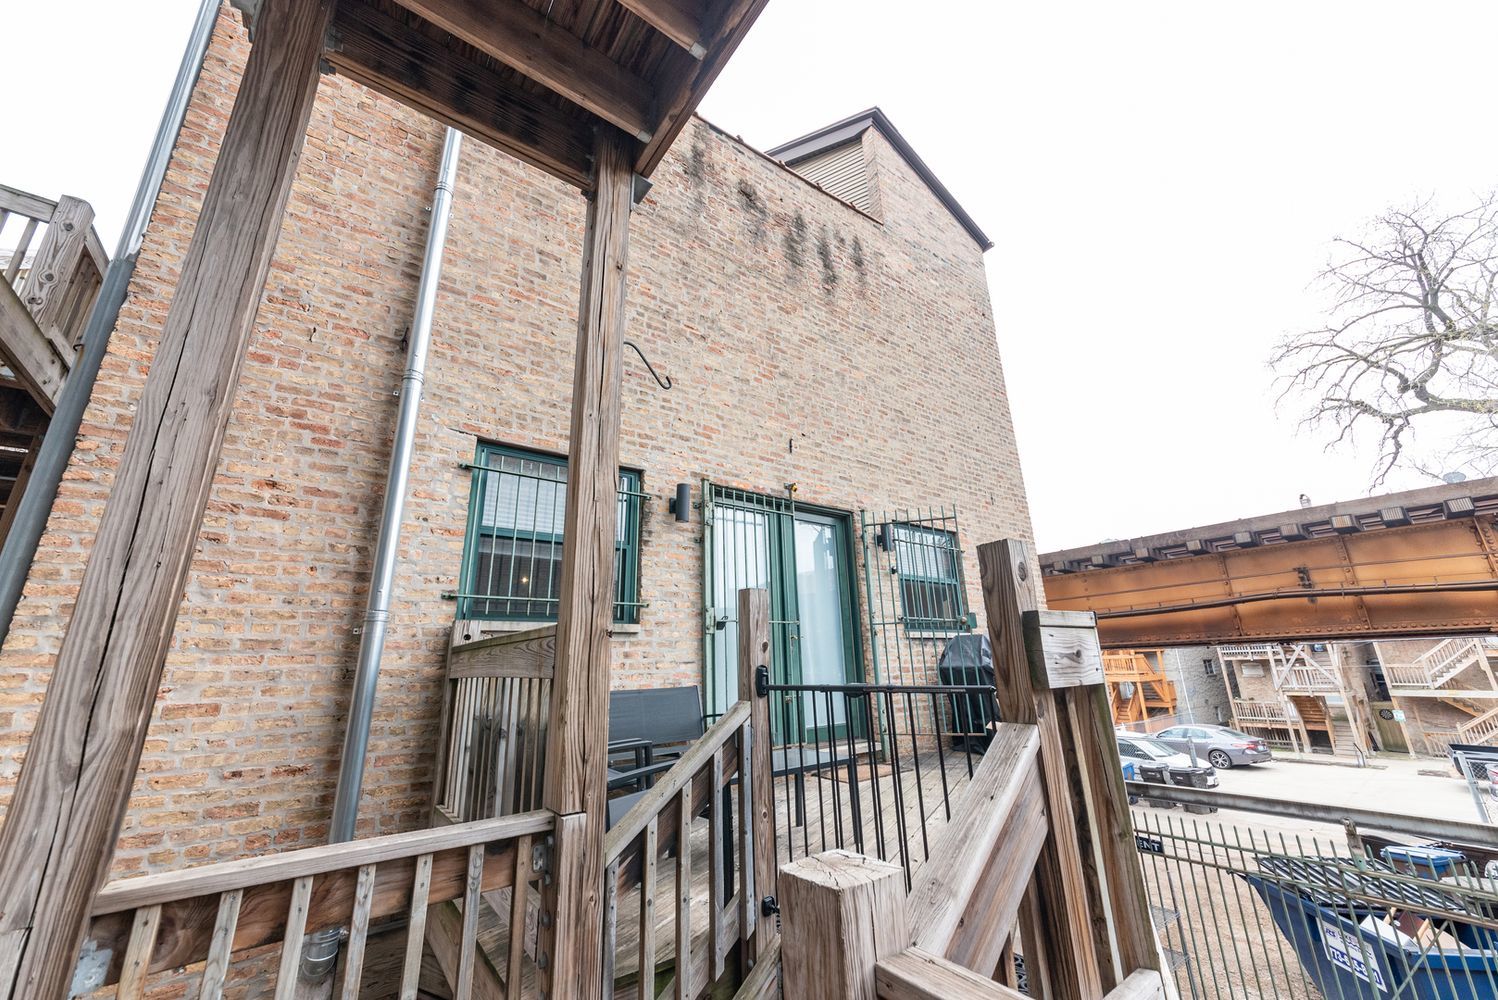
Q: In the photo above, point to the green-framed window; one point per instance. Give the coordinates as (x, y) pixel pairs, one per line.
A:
(929, 563)
(512, 552)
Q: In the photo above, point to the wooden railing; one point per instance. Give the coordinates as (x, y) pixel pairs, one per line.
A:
(47, 293)
(1262, 712)
(495, 717)
(1039, 855)
(225, 915)
(732, 757)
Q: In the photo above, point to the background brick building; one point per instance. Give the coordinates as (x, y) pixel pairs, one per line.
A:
(849, 351)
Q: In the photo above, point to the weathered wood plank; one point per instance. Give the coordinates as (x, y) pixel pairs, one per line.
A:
(1142, 984)
(468, 937)
(649, 853)
(379, 52)
(444, 936)
(221, 947)
(678, 20)
(843, 913)
(53, 270)
(763, 982)
(421, 885)
(577, 752)
(291, 942)
(995, 899)
(915, 974)
(167, 887)
(944, 893)
(27, 351)
(1008, 568)
(684, 969)
(756, 776)
(353, 952)
(138, 954)
(524, 40)
(1061, 650)
(519, 901)
(532, 653)
(59, 831)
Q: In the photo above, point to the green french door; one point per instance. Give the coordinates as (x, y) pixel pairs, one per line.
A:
(804, 558)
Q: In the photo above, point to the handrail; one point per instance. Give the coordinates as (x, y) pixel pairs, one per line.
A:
(1436, 829)
(162, 922)
(670, 784)
(189, 883)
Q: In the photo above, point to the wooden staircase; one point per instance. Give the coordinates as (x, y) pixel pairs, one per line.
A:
(53, 265)
(1482, 727)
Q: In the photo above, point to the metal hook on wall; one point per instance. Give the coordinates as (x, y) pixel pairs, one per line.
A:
(664, 383)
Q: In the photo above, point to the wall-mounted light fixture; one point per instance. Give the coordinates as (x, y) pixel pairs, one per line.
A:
(681, 504)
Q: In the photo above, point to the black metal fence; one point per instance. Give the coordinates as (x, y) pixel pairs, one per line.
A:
(1307, 902)
(873, 768)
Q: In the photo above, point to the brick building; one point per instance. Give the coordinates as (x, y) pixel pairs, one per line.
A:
(826, 357)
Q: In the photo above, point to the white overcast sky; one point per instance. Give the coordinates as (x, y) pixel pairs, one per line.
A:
(1161, 180)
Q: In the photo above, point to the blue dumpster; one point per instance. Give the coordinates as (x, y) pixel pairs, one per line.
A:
(1316, 906)
(1427, 862)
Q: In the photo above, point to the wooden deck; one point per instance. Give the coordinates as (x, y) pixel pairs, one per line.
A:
(890, 804)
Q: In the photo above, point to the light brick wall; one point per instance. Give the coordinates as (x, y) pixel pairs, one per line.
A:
(808, 343)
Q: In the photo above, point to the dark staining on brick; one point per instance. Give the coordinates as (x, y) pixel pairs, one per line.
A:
(696, 168)
(795, 241)
(755, 206)
(824, 253)
(860, 264)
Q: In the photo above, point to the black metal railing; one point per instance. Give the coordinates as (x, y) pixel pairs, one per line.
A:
(873, 768)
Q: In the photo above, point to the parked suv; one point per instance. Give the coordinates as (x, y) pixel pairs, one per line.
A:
(1163, 764)
(1222, 746)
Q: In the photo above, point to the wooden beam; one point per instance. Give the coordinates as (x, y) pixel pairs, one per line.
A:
(843, 913)
(915, 974)
(527, 41)
(678, 97)
(28, 352)
(387, 55)
(578, 753)
(1008, 572)
(678, 20)
(59, 834)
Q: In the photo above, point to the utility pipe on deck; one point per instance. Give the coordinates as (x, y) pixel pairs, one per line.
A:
(62, 430)
(382, 579)
(321, 951)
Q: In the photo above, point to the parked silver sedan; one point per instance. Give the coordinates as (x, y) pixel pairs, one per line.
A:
(1222, 746)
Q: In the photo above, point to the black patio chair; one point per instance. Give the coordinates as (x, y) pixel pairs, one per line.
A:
(649, 729)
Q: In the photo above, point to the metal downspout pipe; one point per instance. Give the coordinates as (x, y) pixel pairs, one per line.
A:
(62, 431)
(321, 951)
(382, 579)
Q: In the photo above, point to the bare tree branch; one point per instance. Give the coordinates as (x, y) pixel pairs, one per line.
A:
(1411, 337)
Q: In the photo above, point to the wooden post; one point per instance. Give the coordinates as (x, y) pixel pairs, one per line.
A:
(1007, 568)
(52, 274)
(59, 835)
(577, 755)
(754, 654)
(843, 913)
(1097, 886)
